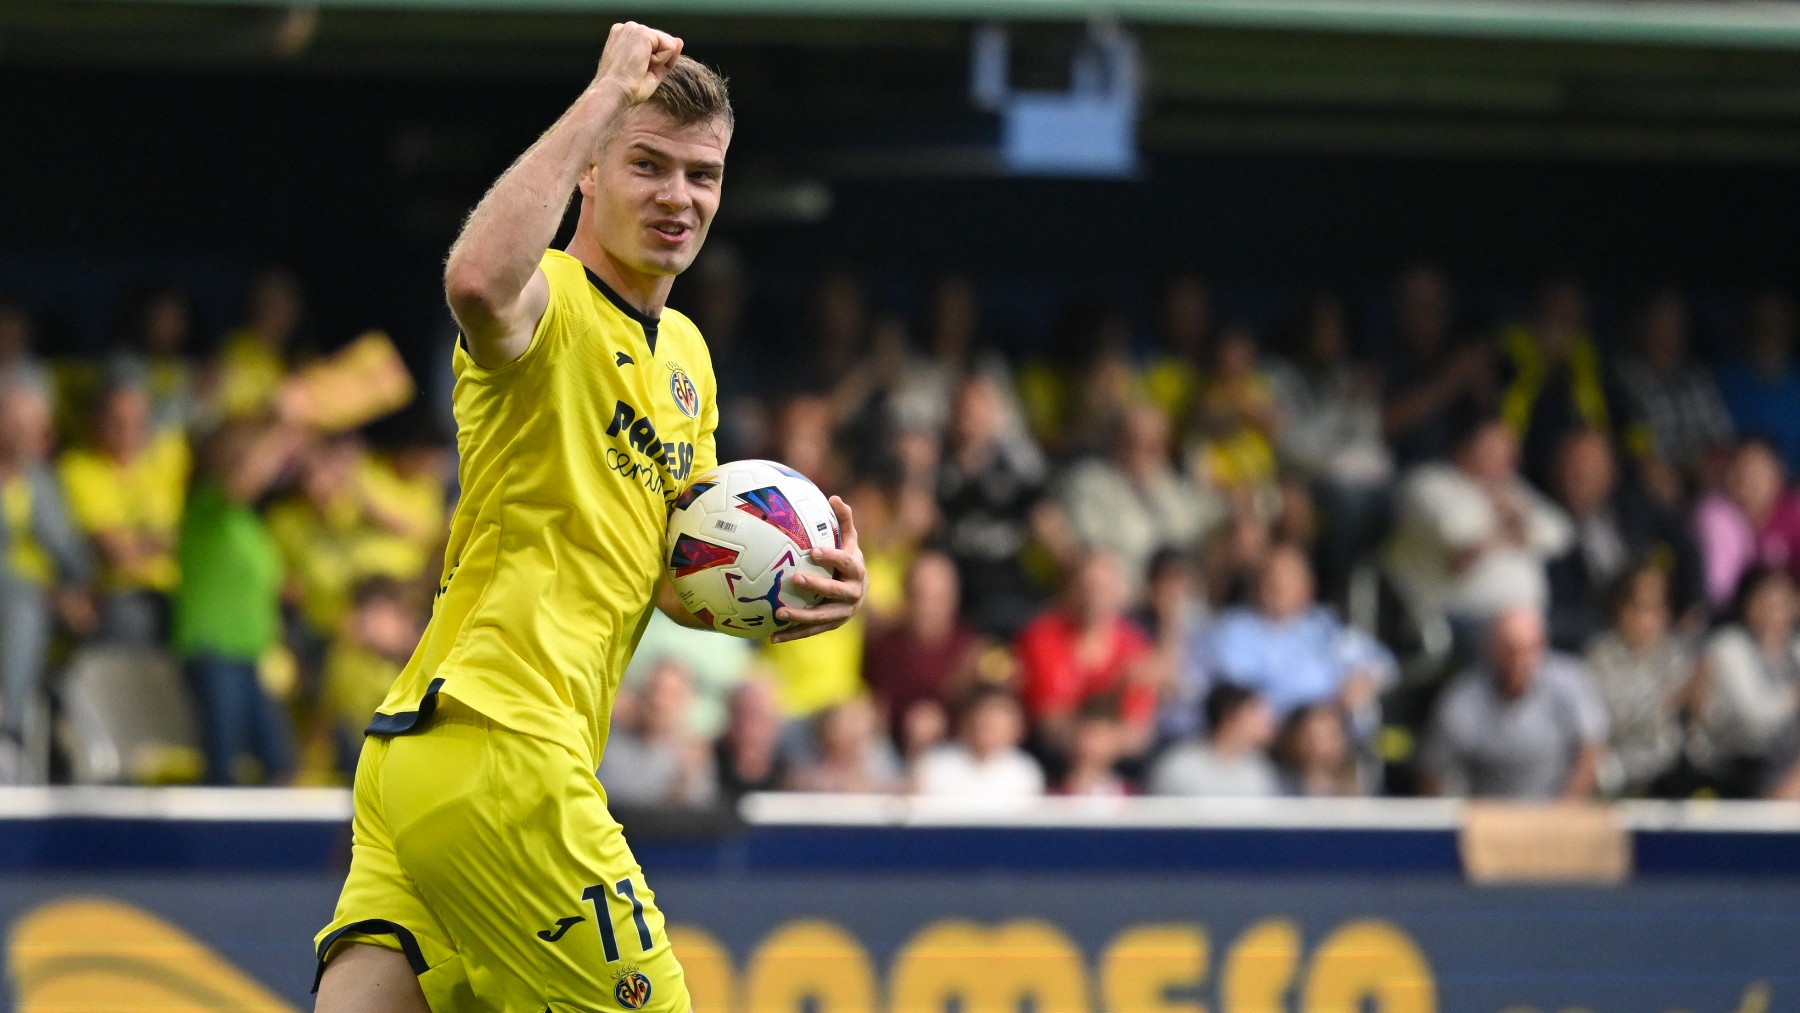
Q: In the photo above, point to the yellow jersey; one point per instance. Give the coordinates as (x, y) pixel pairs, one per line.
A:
(570, 457)
(146, 496)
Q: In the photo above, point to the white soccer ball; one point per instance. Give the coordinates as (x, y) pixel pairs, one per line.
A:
(737, 537)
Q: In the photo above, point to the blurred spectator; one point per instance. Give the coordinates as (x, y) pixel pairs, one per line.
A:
(1174, 606)
(405, 490)
(715, 293)
(985, 765)
(1751, 518)
(126, 495)
(227, 613)
(716, 665)
(1094, 754)
(1433, 379)
(851, 755)
(1313, 753)
(1184, 320)
(1526, 725)
(1232, 558)
(255, 357)
(950, 335)
(1084, 650)
(1761, 387)
(1645, 676)
(1237, 418)
(1232, 760)
(1134, 502)
(1746, 728)
(1293, 651)
(44, 565)
(1473, 537)
(928, 653)
(1617, 524)
(328, 539)
(653, 760)
(375, 643)
(817, 672)
(1074, 394)
(1554, 379)
(988, 490)
(1677, 400)
(748, 755)
(19, 364)
(155, 350)
(1333, 434)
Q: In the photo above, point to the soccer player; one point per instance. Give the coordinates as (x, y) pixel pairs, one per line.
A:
(486, 872)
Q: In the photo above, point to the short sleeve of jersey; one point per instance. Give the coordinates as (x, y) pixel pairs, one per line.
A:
(547, 337)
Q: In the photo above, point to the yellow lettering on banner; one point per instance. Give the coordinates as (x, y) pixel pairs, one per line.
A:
(1145, 962)
(990, 970)
(1259, 970)
(1366, 960)
(706, 964)
(809, 960)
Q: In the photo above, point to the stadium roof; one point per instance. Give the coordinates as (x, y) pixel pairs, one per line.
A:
(1760, 25)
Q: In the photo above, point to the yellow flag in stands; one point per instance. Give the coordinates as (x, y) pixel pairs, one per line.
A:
(93, 955)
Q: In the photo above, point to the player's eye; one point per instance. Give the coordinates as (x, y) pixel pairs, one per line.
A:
(644, 164)
(702, 177)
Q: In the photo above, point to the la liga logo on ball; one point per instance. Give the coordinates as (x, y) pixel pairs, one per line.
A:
(687, 396)
(736, 539)
(631, 989)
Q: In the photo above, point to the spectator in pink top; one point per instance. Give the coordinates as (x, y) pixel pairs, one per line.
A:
(1752, 519)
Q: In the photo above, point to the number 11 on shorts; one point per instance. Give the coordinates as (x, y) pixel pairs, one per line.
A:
(599, 896)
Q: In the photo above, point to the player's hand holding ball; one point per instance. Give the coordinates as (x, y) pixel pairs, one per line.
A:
(757, 551)
(637, 58)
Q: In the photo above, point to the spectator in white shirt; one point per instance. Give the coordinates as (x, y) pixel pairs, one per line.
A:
(1233, 760)
(1473, 537)
(986, 764)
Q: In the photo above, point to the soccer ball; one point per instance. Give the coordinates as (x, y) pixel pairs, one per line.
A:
(736, 538)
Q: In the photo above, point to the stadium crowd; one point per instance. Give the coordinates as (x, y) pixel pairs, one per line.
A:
(1184, 555)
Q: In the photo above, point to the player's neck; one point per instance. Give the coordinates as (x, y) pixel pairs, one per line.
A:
(647, 293)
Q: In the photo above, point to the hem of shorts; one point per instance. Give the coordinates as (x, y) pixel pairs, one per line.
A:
(407, 722)
(409, 944)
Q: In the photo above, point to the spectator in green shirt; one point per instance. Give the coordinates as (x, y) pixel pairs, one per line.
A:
(228, 607)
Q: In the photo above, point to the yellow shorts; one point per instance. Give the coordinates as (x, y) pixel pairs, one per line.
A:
(488, 858)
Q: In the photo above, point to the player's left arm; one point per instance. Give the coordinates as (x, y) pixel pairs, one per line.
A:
(843, 595)
(669, 603)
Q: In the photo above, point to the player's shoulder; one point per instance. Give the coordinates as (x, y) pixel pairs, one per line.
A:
(676, 328)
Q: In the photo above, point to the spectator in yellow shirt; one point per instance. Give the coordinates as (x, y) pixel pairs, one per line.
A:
(375, 641)
(255, 358)
(126, 494)
(328, 539)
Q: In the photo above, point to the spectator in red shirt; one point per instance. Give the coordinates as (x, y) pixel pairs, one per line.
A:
(929, 655)
(1084, 650)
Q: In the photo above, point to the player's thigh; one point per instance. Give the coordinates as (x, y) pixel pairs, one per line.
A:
(369, 979)
(531, 875)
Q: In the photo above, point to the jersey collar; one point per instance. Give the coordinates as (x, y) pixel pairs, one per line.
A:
(648, 323)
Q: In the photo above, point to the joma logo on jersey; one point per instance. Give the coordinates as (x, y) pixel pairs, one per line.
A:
(675, 458)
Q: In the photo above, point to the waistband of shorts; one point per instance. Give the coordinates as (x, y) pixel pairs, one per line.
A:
(451, 711)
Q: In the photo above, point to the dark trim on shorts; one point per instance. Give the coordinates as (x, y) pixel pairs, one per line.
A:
(409, 944)
(407, 722)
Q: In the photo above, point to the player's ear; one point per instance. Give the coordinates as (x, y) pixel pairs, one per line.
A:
(588, 182)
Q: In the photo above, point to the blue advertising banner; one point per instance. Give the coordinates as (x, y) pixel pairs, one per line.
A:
(984, 942)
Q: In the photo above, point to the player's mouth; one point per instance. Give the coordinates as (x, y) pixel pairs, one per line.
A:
(671, 232)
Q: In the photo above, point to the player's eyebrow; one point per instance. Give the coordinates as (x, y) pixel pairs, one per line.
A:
(663, 156)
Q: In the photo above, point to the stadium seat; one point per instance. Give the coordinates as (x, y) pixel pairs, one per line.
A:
(126, 718)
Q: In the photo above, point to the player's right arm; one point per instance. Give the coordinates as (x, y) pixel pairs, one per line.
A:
(491, 278)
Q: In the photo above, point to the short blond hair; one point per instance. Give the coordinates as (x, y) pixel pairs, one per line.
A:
(693, 93)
